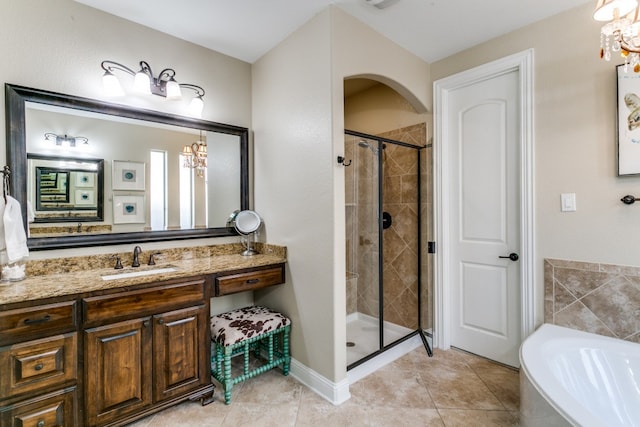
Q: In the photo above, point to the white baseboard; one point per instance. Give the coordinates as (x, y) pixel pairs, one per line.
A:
(336, 393)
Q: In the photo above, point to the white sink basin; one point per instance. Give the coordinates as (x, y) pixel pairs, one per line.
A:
(131, 274)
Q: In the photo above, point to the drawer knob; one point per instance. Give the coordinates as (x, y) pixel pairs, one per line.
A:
(40, 423)
(36, 321)
(252, 281)
(38, 367)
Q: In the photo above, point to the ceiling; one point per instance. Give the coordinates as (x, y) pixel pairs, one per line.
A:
(247, 29)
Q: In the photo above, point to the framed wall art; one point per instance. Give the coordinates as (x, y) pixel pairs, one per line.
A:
(128, 175)
(628, 121)
(85, 198)
(85, 179)
(128, 209)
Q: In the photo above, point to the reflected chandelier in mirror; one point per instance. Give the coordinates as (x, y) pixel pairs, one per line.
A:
(158, 205)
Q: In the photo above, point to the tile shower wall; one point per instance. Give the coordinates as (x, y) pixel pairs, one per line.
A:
(599, 298)
(400, 268)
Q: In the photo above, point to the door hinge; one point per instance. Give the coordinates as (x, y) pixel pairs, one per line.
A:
(431, 247)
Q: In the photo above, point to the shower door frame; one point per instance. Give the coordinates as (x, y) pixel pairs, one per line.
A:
(419, 331)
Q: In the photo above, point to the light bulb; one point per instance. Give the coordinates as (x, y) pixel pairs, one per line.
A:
(141, 83)
(173, 90)
(196, 106)
(111, 85)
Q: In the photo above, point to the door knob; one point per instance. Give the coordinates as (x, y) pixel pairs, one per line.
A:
(512, 256)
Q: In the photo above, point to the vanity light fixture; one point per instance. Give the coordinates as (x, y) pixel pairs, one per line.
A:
(195, 156)
(621, 32)
(145, 82)
(65, 139)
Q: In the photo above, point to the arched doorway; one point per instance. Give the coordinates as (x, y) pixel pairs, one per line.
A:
(388, 211)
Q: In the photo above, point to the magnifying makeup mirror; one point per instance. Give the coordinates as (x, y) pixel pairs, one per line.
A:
(247, 223)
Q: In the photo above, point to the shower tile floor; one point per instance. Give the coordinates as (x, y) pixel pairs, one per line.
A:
(453, 388)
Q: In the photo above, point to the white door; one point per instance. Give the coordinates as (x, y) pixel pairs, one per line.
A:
(484, 207)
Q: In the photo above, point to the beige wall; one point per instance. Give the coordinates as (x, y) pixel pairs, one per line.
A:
(298, 123)
(381, 109)
(293, 168)
(574, 143)
(58, 45)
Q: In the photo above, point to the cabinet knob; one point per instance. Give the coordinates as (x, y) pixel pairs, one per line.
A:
(160, 321)
(38, 367)
(145, 323)
(40, 423)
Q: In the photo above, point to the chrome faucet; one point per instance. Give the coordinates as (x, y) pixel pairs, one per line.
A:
(136, 251)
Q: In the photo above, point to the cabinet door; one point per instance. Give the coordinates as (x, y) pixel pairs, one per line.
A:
(180, 356)
(117, 370)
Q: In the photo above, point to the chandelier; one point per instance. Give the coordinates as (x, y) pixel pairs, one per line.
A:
(620, 34)
(195, 156)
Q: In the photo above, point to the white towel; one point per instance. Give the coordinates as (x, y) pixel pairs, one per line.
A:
(31, 215)
(14, 236)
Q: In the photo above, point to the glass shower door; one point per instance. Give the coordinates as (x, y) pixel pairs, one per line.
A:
(362, 182)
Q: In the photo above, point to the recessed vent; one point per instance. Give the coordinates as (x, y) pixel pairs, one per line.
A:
(381, 4)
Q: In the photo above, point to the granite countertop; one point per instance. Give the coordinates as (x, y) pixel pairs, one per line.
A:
(84, 274)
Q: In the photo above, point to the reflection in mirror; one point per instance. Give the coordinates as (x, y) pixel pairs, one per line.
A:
(65, 189)
(144, 189)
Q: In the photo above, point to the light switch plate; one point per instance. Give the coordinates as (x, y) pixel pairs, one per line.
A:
(568, 202)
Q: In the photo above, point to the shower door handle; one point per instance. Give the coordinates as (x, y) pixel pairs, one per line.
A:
(386, 220)
(512, 256)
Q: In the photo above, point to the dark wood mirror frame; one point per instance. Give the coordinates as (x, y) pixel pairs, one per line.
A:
(15, 98)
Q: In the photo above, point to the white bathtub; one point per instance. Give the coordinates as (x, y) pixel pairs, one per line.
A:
(574, 378)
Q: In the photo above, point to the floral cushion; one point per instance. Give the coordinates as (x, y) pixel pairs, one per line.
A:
(241, 324)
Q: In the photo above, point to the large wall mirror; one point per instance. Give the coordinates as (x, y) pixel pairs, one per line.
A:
(92, 173)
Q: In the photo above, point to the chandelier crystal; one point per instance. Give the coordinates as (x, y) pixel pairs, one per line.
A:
(620, 34)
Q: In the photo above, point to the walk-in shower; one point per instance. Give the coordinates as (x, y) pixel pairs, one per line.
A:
(385, 240)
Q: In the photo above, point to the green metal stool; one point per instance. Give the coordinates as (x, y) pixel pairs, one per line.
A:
(255, 329)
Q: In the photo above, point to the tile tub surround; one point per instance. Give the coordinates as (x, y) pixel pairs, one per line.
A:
(75, 275)
(599, 298)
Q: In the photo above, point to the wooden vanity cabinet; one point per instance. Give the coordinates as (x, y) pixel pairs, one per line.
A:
(148, 350)
(111, 356)
(39, 365)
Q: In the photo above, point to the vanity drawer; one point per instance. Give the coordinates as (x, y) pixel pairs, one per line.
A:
(32, 365)
(53, 409)
(39, 320)
(249, 281)
(143, 302)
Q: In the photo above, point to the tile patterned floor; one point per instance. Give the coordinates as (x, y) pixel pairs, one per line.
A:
(453, 388)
